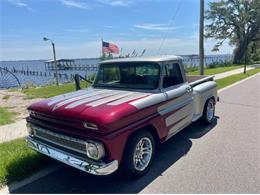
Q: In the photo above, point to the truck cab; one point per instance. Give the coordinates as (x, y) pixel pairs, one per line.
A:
(133, 105)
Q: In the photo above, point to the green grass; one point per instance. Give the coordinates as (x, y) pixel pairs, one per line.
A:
(19, 161)
(50, 90)
(212, 71)
(234, 78)
(6, 117)
(6, 97)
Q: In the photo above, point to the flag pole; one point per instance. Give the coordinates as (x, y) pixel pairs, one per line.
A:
(101, 47)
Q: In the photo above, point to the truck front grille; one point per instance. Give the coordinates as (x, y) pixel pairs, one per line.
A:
(60, 140)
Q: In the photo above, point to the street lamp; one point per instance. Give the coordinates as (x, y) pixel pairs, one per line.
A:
(54, 57)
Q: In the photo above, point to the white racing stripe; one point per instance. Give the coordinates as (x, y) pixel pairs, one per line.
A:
(90, 99)
(126, 99)
(62, 103)
(109, 99)
(69, 95)
(149, 101)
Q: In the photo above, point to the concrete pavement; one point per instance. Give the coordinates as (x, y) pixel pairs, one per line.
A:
(236, 71)
(221, 158)
(13, 131)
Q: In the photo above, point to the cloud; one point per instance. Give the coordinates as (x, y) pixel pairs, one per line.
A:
(116, 3)
(155, 27)
(75, 4)
(21, 4)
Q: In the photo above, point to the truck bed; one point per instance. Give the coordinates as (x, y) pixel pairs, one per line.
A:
(196, 80)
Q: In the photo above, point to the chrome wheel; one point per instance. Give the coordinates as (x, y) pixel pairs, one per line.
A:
(143, 154)
(210, 110)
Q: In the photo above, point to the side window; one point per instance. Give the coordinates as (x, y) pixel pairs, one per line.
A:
(172, 75)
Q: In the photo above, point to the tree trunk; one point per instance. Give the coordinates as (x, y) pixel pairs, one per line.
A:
(239, 52)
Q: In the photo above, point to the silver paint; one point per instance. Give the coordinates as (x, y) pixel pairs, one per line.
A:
(109, 99)
(90, 99)
(127, 99)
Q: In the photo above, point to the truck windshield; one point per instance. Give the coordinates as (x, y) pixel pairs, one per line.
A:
(138, 75)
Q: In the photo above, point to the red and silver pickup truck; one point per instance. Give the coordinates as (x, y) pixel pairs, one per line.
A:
(133, 105)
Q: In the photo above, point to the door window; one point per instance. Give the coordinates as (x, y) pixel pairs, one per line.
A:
(172, 75)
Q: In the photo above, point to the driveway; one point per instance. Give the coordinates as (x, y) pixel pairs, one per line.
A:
(221, 158)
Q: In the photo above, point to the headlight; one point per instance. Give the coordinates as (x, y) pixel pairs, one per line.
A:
(95, 150)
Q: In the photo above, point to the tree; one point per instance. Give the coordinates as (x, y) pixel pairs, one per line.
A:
(236, 20)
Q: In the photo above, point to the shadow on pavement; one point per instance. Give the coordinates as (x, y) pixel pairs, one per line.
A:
(70, 180)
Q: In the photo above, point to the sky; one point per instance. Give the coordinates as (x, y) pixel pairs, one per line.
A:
(78, 26)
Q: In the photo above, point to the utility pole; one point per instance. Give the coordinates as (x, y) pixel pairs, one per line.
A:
(201, 37)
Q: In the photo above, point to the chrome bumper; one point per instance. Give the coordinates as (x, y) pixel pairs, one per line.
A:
(89, 167)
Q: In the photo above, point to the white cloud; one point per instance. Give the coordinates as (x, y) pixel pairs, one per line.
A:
(108, 26)
(156, 27)
(119, 3)
(21, 4)
(75, 4)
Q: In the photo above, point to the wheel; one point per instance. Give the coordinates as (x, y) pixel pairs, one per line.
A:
(209, 111)
(139, 154)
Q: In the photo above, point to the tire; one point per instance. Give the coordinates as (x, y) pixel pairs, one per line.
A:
(209, 111)
(136, 164)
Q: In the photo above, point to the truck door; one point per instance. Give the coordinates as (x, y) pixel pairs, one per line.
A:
(178, 110)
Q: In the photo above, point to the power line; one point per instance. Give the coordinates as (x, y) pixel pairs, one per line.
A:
(170, 24)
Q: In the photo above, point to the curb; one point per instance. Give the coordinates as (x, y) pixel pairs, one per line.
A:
(14, 186)
(13, 131)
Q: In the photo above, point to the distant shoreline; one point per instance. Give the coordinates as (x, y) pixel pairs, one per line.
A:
(97, 58)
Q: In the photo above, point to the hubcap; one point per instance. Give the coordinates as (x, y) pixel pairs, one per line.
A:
(143, 154)
(210, 110)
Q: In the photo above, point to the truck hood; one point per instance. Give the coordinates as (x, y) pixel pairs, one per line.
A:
(101, 106)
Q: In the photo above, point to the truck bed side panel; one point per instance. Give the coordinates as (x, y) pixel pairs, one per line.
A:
(202, 93)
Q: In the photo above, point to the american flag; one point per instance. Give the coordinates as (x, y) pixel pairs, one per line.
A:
(109, 48)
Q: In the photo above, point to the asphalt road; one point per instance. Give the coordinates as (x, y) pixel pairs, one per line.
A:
(221, 158)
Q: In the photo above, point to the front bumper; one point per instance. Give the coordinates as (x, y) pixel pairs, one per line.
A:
(74, 161)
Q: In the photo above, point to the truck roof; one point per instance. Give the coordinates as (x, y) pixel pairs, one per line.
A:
(161, 58)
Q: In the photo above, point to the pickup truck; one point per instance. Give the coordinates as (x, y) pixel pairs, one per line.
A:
(133, 105)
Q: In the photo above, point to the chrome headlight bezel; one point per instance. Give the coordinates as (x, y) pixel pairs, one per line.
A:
(98, 148)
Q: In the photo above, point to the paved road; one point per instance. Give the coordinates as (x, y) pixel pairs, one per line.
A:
(221, 158)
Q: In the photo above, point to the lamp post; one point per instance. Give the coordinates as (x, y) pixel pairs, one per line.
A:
(54, 57)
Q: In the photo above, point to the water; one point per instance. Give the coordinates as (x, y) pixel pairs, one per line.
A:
(45, 77)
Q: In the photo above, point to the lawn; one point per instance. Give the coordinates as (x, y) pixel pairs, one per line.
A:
(213, 71)
(19, 161)
(234, 78)
(6, 117)
(50, 90)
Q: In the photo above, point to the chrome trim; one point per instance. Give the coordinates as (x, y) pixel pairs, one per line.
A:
(77, 141)
(71, 160)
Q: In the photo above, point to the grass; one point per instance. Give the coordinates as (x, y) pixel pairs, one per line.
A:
(50, 90)
(6, 97)
(212, 71)
(6, 117)
(235, 78)
(19, 161)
